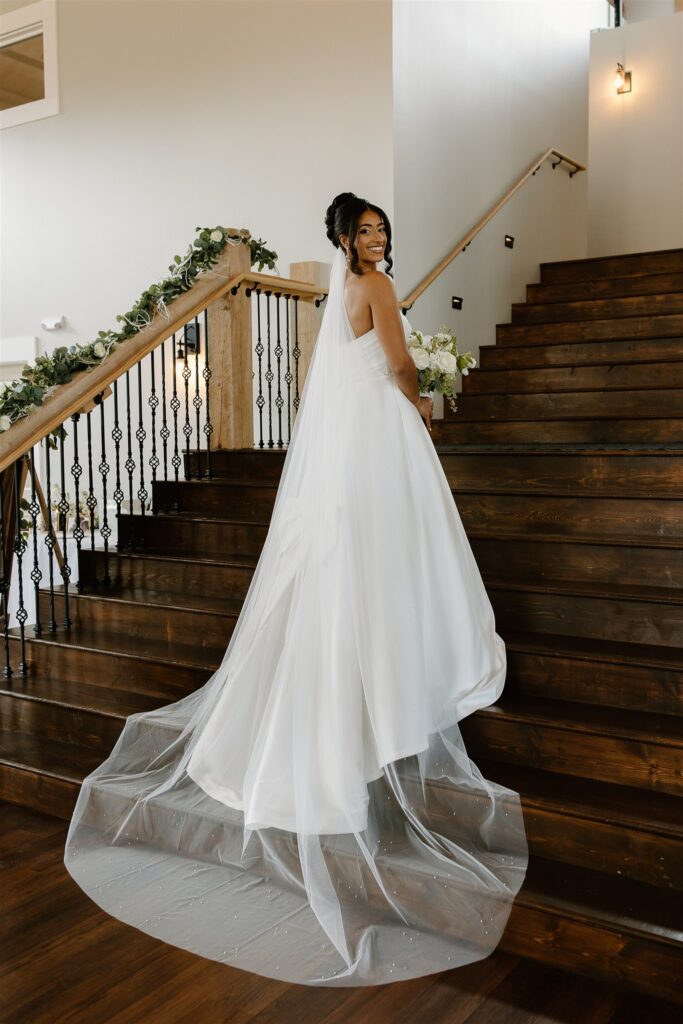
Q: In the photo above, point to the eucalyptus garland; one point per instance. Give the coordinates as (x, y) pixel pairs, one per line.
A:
(18, 398)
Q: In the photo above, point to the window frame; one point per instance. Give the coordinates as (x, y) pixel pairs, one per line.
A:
(36, 19)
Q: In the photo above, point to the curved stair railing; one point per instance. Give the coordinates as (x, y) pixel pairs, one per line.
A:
(223, 369)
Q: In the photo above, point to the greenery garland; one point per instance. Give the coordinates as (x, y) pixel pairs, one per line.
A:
(18, 398)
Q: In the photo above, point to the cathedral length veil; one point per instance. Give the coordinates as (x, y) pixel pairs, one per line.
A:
(310, 813)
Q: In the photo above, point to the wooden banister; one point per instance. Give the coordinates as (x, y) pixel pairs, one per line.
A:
(79, 393)
(466, 239)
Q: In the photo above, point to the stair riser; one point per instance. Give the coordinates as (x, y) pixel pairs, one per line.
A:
(237, 500)
(645, 376)
(164, 534)
(597, 309)
(522, 561)
(611, 846)
(58, 722)
(598, 432)
(135, 620)
(589, 353)
(668, 261)
(647, 284)
(592, 475)
(577, 405)
(586, 948)
(165, 680)
(590, 330)
(633, 762)
(190, 577)
(28, 788)
(568, 518)
(606, 684)
(637, 622)
(242, 464)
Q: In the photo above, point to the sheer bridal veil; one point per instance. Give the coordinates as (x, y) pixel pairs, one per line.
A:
(311, 813)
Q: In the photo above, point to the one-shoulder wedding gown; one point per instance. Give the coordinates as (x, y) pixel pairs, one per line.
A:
(311, 813)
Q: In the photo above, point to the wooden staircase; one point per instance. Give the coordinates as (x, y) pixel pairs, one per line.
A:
(566, 463)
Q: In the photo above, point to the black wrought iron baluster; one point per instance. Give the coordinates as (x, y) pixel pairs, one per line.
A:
(296, 352)
(260, 400)
(63, 510)
(5, 580)
(91, 500)
(176, 460)
(117, 437)
(206, 374)
(140, 437)
(164, 433)
(279, 401)
(20, 545)
(104, 470)
(153, 402)
(50, 444)
(76, 472)
(197, 400)
(187, 428)
(129, 464)
(36, 571)
(288, 372)
(269, 373)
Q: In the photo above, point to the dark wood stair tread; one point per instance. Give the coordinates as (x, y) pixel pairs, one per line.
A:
(592, 588)
(109, 701)
(617, 903)
(595, 719)
(229, 606)
(147, 648)
(620, 652)
(48, 757)
(605, 802)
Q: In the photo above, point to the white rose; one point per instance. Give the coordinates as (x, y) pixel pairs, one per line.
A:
(5, 423)
(420, 358)
(464, 371)
(99, 350)
(447, 362)
(216, 236)
(433, 360)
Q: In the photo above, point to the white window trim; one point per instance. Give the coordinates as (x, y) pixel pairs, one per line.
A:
(21, 24)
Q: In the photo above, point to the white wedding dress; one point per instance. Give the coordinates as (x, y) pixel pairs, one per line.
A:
(311, 813)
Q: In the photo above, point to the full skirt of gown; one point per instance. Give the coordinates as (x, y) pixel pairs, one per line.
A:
(311, 813)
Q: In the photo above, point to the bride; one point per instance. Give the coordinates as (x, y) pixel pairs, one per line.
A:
(310, 813)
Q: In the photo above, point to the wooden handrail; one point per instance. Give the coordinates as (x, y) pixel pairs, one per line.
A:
(80, 392)
(466, 239)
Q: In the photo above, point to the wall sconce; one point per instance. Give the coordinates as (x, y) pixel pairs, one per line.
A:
(509, 241)
(456, 302)
(188, 343)
(622, 79)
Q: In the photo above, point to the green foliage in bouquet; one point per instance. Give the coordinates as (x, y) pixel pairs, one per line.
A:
(438, 362)
(18, 398)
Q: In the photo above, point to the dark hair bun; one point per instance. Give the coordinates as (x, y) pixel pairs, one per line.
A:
(330, 217)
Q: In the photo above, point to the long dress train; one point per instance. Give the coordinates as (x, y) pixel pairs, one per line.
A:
(311, 813)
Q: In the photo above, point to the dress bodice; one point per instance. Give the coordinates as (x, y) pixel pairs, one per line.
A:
(367, 355)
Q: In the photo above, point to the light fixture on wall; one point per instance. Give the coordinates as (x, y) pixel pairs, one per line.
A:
(622, 79)
(509, 241)
(188, 343)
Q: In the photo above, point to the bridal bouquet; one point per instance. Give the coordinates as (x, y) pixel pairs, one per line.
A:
(438, 362)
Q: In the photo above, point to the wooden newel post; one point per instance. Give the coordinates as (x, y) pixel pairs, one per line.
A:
(309, 316)
(230, 386)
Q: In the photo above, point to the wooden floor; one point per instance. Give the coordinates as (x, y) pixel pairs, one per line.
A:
(64, 960)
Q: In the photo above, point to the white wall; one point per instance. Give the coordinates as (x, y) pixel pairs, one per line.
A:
(635, 199)
(480, 90)
(176, 114)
